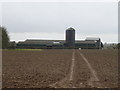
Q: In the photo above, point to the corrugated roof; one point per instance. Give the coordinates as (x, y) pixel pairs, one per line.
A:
(85, 42)
(37, 41)
(61, 42)
(41, 40)
(92, 38)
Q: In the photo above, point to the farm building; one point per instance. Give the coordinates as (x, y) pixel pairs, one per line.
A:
(42, 44)
(89, 43)
(70, 42)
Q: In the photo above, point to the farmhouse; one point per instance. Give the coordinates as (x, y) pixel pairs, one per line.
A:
(70, 42)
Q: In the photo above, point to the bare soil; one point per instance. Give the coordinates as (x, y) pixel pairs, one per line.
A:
(42, 69)
(105, 63)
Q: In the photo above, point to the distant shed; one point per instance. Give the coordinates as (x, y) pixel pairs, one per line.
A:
(89, 43)
(42, 44)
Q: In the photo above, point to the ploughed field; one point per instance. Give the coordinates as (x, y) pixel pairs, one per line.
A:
(60, 69)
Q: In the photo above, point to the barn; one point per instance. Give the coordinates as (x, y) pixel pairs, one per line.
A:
(89, 43)
(69, 43)
(41, 44)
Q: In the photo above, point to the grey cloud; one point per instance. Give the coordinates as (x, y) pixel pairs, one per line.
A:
(87, 18)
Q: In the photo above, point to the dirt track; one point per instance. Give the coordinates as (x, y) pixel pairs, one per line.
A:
(60, 69)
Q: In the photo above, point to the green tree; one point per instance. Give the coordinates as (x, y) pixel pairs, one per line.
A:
(12, 45)
(5, 38)
(118, 45)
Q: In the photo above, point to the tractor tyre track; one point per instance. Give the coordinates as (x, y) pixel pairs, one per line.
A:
(94, 80)
(66, 82)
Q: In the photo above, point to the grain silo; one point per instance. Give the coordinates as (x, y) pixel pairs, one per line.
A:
(70, 37)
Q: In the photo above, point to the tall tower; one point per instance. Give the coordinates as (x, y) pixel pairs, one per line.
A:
(70, 37)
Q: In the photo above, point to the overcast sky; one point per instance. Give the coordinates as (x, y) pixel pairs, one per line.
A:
(49, 20)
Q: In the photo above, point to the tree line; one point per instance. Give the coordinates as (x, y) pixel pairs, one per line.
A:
(5, 39)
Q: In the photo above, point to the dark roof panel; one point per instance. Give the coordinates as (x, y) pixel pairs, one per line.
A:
(37, 41)
(86, 42)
